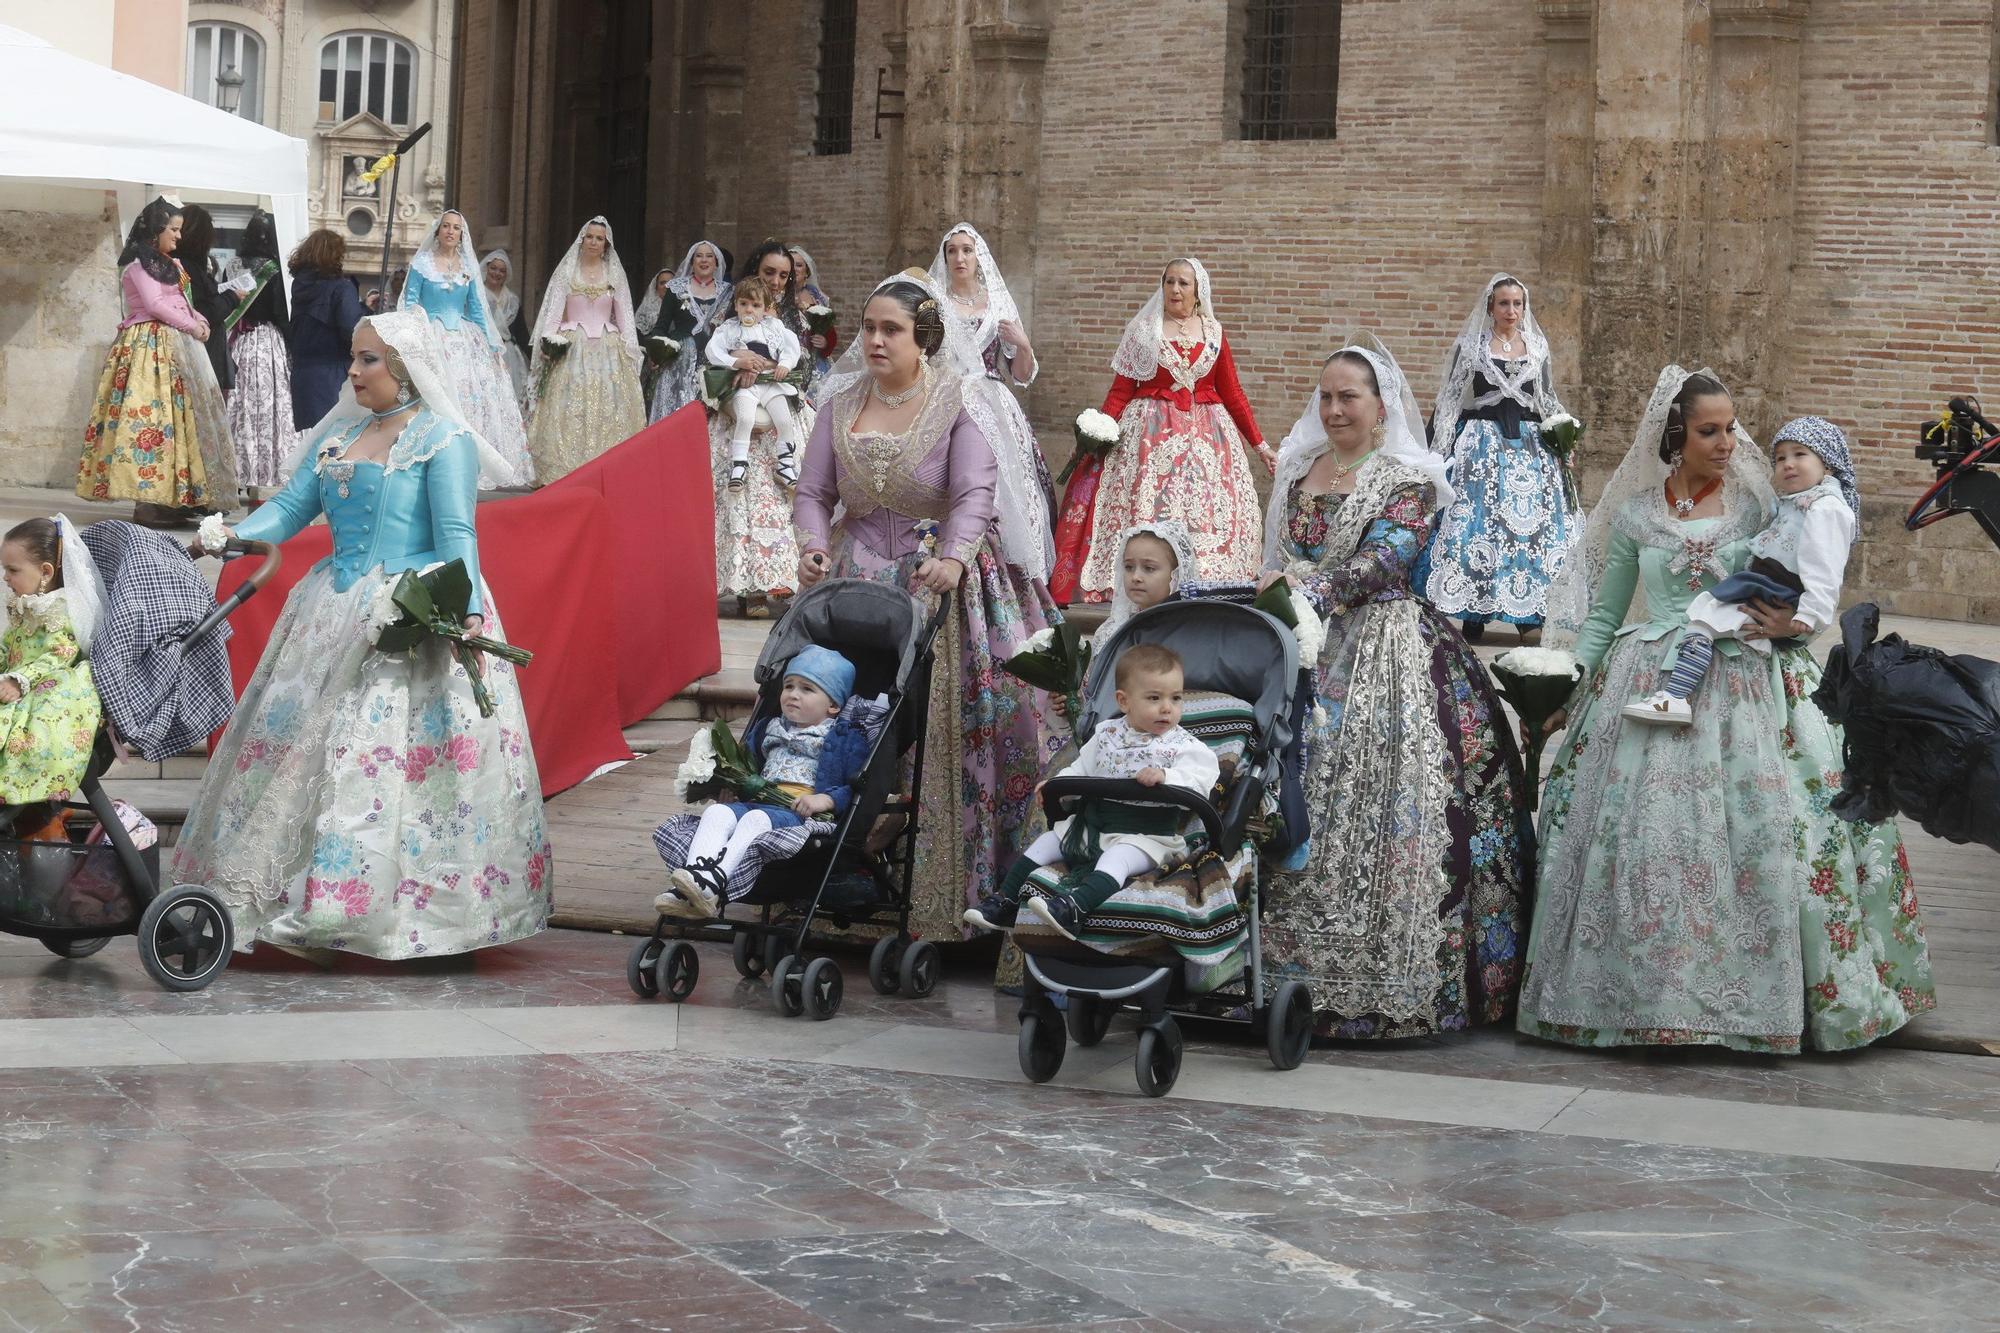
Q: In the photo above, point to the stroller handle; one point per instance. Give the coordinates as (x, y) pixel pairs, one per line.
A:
(1059, 793)
(266, 570)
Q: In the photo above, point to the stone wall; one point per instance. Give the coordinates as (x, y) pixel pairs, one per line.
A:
(59, 309)
(1801, 193)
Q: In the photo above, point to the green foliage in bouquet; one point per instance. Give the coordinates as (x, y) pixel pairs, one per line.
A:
(434, 604)
(1055, 659)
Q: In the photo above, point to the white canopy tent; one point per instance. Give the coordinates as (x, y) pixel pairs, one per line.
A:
(66, 121)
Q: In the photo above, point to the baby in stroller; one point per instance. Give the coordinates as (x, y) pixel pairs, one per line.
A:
(1107, 843)
(811, 752)
(48, 706)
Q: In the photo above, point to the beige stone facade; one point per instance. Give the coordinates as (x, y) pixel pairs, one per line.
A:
(1801, 193)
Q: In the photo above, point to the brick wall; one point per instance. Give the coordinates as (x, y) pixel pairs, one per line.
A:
(1896, 284)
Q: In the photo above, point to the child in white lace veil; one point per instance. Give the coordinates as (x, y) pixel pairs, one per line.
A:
(1138, 571)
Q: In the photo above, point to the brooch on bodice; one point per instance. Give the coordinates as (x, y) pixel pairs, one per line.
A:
(1697, 557)
(340, 472)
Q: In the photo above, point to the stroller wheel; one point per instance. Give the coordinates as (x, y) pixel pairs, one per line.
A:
(185, 937)
(639, 968)
(774, 949)
(785, 987)
(677, 970)
(1158, 1063)
(1041, 1047)
(820, 992)
(748, 957)
(920, 969)
(76, 948)
(882, 964)
(1288, 1025)
(1089, 1018)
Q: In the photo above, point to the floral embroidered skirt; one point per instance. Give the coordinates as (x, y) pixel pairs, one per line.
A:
(588, 401)
(46, 735)
(1168, 464)
(143, 441)
(260, 405)
(1861, 939)
(1671, 867)
(486, 395)
(756, 550)
(1503, 541)
(359, 801)
(1408, 914)
(987, 740)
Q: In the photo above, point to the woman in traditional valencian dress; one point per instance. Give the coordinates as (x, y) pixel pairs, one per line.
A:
(1695, 889)
(1407, 916)
(1184, 424)
(900, 452)
(358, 800)
(984, 341)
(583, 384)
(445, 284)
(700, 292)
(158, 416)
(260, 398)
(497, 270)
(1503, 540)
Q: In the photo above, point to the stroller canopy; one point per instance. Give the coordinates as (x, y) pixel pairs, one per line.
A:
(872, 625)
(1224, 647)
(164, 697)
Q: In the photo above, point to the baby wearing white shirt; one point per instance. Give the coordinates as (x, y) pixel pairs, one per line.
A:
(1108, 843)
(758, 331)
(1798, 560)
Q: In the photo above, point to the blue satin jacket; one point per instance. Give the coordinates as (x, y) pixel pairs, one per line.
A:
(411, 510)
(445, 305)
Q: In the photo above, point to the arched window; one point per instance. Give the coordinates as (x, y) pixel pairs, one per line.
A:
(215, 47)
(366, 71)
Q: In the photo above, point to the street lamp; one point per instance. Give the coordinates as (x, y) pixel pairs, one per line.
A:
(228, 89)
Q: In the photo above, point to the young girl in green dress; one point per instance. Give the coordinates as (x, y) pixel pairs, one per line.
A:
(49, 712)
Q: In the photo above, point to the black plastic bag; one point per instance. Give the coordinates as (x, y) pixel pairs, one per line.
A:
(1923, 732)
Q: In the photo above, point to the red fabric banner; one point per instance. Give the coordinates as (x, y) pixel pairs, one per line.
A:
(662, 500)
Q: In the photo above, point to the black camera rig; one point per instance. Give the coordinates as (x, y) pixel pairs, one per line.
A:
(1961, 444)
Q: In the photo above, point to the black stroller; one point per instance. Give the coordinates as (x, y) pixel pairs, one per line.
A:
(1186, 939)
(854, 875)
(76, 895)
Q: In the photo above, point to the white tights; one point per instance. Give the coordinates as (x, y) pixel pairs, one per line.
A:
(722, 834)
(1122, 862)
(743, 406)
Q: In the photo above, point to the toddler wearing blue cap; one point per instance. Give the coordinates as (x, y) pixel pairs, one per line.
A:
(810, 751)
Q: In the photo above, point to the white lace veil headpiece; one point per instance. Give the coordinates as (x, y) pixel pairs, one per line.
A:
(966, 336)
(414, 340)
(647, 312)
(1138, 354)
(1018, 505)
(1402, 439)
(451, 271)
(1531, 385)
(801, 285)
(1634, 502)
(556, 296)
(84, 590)
(684, 274)
(508, 303)
(1175, 535)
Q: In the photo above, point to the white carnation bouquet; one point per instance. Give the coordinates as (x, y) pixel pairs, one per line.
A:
(1288, 604)
(1559, 436)
(213, 534)
(819, 319)
(1538, 683)
(1096, 434)
(1055, 659)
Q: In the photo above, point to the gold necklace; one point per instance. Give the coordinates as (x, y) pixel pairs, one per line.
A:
(1342, 471)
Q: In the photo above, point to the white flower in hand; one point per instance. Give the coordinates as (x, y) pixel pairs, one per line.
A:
(698, 767)
(213, 534)
(1039, 641)
(383, 611)
(1096, 425)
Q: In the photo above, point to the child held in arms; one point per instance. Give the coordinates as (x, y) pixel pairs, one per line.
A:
(1105, 843)
(812, 754)
(737, 344)
(1798, 561)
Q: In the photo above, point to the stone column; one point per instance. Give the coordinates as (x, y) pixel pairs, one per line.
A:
(1569, 99)
(1748, 189)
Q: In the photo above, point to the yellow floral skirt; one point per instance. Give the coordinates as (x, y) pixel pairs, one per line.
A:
(144, 438)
